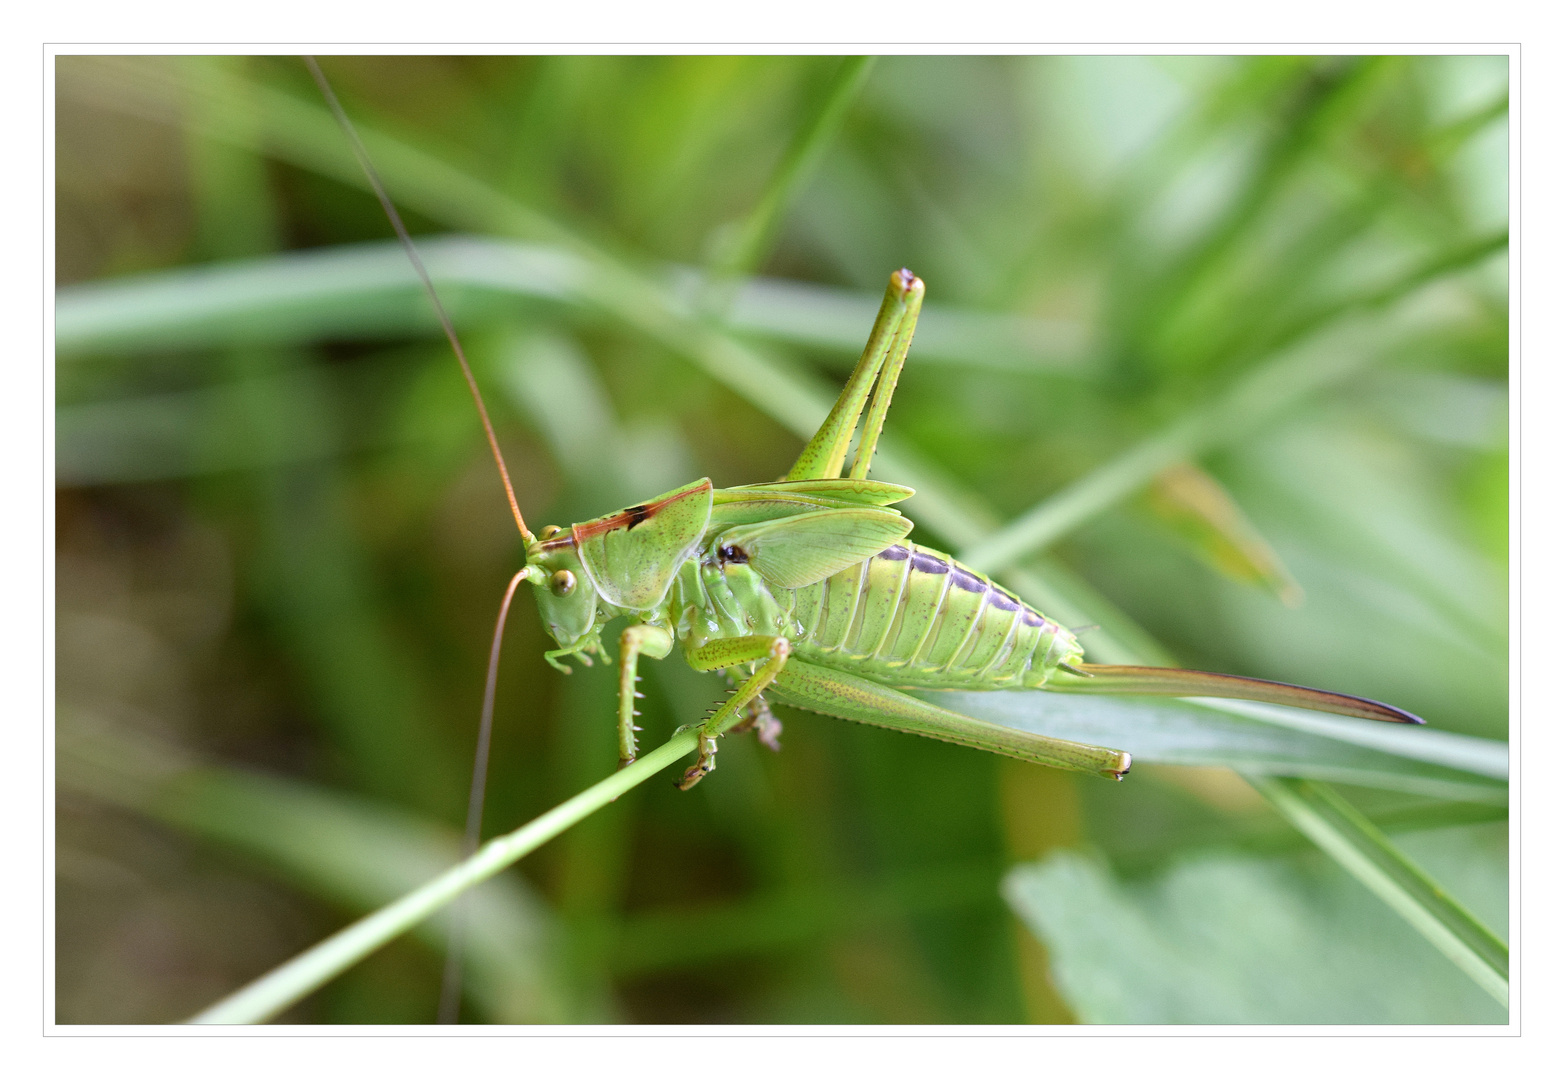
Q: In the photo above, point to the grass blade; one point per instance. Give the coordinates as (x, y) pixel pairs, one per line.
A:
(1307, 366)
(1207, 518)
(363, 290)
(1193, 732)
(1481, 757)
(313, 968)
(1353, 841)
(352, 852)
(747, 242)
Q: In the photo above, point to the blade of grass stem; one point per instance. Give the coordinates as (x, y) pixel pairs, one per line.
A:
(342, 848)
(1320, 245)
(1276, 836)
(1208, 521)
(1191, 731)
(1303, 116)
(1347, 836)
(743, 244)
(1469, 753)
(313, 968)
(363, 289)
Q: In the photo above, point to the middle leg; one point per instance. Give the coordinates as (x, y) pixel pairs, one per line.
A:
(772, 652)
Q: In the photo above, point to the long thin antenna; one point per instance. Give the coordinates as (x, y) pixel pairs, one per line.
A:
(423, 275)
(451, 983)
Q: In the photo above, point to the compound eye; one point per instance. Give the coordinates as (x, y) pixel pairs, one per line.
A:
(563, 583)
(549, 532)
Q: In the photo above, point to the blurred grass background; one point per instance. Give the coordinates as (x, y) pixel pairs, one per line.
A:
(281, 543)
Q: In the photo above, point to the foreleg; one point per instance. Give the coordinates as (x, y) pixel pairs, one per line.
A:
(653, 641)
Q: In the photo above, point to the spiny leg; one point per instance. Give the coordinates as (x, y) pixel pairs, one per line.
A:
(822, 459)
(772, 651)
(653, 641)
(758, 718)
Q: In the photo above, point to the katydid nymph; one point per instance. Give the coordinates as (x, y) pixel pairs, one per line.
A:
(807, 590)
(809, 586)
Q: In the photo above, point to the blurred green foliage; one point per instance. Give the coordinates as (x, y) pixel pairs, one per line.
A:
(281, 543)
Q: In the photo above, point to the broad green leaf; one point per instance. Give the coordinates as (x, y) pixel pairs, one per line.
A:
(1225, 939)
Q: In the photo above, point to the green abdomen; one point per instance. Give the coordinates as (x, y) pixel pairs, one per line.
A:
(911, 616)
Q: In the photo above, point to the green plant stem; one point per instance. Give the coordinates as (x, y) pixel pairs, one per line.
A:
(313, 968)
(1350, 838)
